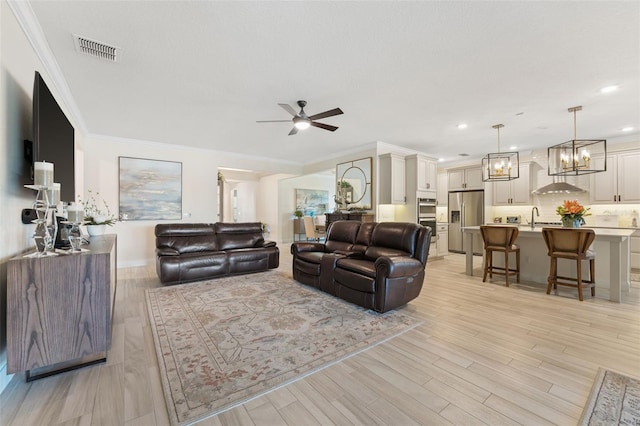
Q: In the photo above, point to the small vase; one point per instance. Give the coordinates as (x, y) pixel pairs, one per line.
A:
(569, 222)
(95, 230)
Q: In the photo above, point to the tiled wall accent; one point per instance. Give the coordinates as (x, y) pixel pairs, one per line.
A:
(547, 205)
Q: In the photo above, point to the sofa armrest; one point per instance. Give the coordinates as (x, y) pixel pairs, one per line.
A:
(269, 244)
(166, 251)
(398, 266)
(300, 247)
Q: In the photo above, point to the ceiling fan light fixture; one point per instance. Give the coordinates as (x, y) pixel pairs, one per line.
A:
(500, 166)
(573, 158)
(301, 123)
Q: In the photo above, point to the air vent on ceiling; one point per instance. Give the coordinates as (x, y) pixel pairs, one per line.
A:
(96, 49)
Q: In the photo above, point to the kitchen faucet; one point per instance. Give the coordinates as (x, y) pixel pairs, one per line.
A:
(533, 220)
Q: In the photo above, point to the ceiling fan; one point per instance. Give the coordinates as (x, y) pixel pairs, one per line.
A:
(302, 121)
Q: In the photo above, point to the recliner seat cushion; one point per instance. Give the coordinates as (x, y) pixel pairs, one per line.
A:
(192, 266)
(248, 260)
(314, 257)
(360, 266)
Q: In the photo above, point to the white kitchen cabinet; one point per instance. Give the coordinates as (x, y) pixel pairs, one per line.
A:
(514, 192)
(442, 192)
(442, 234)
(619, 184)
(392, 179)
(465, 179)
(422, 174)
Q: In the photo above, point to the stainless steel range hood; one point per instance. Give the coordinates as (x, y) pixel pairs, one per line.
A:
(558, 188)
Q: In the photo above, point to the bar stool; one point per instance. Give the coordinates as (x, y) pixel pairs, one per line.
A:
(500, 238)
(572, 244)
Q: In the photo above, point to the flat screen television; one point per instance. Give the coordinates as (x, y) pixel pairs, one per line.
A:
(53, 138)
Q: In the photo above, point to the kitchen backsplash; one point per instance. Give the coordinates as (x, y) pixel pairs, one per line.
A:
(547, 205)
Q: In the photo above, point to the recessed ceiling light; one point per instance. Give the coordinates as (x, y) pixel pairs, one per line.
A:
(441, 159)
(627, 129)
(462, 126)
(513, 148)
(608, 89)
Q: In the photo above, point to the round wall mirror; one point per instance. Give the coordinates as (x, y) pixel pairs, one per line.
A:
(353, 183)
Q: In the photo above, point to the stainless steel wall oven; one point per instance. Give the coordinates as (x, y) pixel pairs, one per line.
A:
(427, 217)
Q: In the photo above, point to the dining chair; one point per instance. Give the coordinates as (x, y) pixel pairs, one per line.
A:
(572, 244)
(311, 230)
(500, 239)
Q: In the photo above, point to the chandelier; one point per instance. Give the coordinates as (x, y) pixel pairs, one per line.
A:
(499, 166)
(573, 158)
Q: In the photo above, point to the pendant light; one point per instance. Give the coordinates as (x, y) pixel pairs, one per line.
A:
(574, 157)
(500, 166)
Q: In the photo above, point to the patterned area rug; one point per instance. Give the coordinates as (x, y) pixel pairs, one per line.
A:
(614, 400)
(223, 342)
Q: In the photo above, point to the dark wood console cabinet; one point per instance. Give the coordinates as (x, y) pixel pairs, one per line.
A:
(359, 216)
(59, 309)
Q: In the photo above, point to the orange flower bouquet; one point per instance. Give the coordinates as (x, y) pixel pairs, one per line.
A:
(572, 213)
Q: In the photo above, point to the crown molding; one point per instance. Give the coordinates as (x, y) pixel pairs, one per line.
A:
(33, 31)
(165, 145)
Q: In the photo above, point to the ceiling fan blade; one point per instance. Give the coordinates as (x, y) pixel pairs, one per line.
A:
(273, 121)
(330, 113)
(324, 126)
(293, 131)
(289, 109)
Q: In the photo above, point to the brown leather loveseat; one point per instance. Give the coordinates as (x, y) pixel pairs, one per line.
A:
(379, 266)
(197, 251)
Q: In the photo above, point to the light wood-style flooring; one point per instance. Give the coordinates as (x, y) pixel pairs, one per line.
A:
(485, 355)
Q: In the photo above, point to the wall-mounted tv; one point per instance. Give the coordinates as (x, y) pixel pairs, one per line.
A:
(53, 138)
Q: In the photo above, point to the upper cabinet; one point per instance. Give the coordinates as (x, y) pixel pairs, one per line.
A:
(392, 179)
(442, 192)
(619, 184)
(465, 179)
(513, 192)
(422, 175)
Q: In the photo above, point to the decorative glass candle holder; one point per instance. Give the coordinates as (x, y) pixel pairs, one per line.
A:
(75, 237)
(40, 237)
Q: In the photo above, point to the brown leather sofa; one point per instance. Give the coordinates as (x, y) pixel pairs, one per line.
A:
(379, 266)
(197, 251)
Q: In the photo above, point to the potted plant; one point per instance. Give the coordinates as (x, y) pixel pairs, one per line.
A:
(97, 215)
(266, 230)
(298, 214)
(572, 214)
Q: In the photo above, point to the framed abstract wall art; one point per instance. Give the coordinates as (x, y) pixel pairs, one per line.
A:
(312, 202)
(150, 189)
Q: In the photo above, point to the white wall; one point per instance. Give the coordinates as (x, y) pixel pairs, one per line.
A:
(136, 240)
(268, 205)
(287, 199)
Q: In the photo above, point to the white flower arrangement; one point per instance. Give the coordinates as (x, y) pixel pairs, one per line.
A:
(96, 215)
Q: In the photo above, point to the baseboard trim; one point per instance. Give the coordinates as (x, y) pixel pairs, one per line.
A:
(134, 263)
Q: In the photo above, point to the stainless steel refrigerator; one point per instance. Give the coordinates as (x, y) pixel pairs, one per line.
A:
(466, 208)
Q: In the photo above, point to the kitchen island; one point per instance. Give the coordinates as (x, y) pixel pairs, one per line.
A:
(612, 258)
